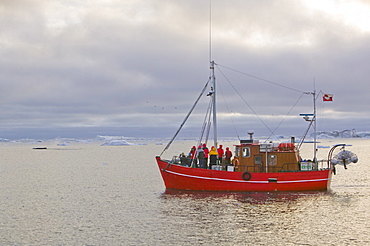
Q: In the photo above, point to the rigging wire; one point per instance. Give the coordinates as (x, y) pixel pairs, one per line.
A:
(272, 133)
(206, 123)
(255, 113)
(305, 134)
(228, 109)
(209, 122)
(187, 116)
(295, 104)
(265, 80)
(311, 123)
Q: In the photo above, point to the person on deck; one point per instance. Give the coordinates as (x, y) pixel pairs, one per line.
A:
(220, 152)
(228, 155)
(184, 160)
(192, 153)
(212, 157)
(206, 155)
(200, 156)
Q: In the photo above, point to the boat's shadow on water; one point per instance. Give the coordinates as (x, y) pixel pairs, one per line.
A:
(245, 197)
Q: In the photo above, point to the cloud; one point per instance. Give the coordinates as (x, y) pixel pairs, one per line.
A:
(121, 65)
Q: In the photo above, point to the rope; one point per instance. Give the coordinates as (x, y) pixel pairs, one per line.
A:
(237, 92)
(265, 80)
(228, 109)
(206, 123)
(305, 134)
(186, 118)
(286, 116)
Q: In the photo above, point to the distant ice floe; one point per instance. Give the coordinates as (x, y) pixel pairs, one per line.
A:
(349, 133)
(126, 141)
(117, 143)
(120, 140)
(62, 144)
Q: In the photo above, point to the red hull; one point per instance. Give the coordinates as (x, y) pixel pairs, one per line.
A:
(186, 178)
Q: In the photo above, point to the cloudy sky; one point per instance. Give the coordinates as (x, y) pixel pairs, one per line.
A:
(134, 68)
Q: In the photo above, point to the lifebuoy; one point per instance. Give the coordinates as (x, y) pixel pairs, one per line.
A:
(246, 176)
(236, 162)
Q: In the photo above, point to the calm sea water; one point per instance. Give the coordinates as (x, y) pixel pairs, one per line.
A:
(87, 194)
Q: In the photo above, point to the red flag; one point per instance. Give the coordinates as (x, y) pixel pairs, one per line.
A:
(327, 98)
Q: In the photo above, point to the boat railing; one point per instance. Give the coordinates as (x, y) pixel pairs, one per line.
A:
(178, 160)
(323, 165)
(314, 166)
(287, 167)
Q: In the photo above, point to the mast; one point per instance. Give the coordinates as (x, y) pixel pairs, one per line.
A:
(213, 82)
(312, 121)
(314, 125)
(212, 78)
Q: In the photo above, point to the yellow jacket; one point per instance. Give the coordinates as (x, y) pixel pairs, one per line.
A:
(213, 151)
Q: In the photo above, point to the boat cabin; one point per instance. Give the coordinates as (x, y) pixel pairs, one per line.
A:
(251, 156)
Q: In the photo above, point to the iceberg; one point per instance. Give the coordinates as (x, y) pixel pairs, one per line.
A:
(338, 134)
(62, 144)
(116, 143)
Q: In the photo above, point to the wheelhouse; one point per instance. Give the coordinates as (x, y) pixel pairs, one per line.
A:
(251, 156)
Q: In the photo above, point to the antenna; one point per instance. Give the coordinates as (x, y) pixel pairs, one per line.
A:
(210, 30)
(250, 132)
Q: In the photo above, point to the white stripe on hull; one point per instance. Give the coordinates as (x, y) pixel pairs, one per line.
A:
(245, 181)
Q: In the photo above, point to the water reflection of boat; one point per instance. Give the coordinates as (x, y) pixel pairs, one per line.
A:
(244, 197)
(256, 166)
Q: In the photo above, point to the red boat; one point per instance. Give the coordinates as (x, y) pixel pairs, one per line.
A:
(188, 178)
(255, 166)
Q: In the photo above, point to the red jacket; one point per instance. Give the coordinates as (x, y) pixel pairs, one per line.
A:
(228, 154)
(220, 151)
(206, 151)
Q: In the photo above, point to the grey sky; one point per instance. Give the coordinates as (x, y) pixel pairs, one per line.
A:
(134, 68)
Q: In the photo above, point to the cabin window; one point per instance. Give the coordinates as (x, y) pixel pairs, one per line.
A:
(246, 152)
(257, 160)
(272, 159)
(236, 152)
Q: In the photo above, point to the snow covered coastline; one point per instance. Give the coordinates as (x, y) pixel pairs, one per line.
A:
(127, 141)
(342, 134)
